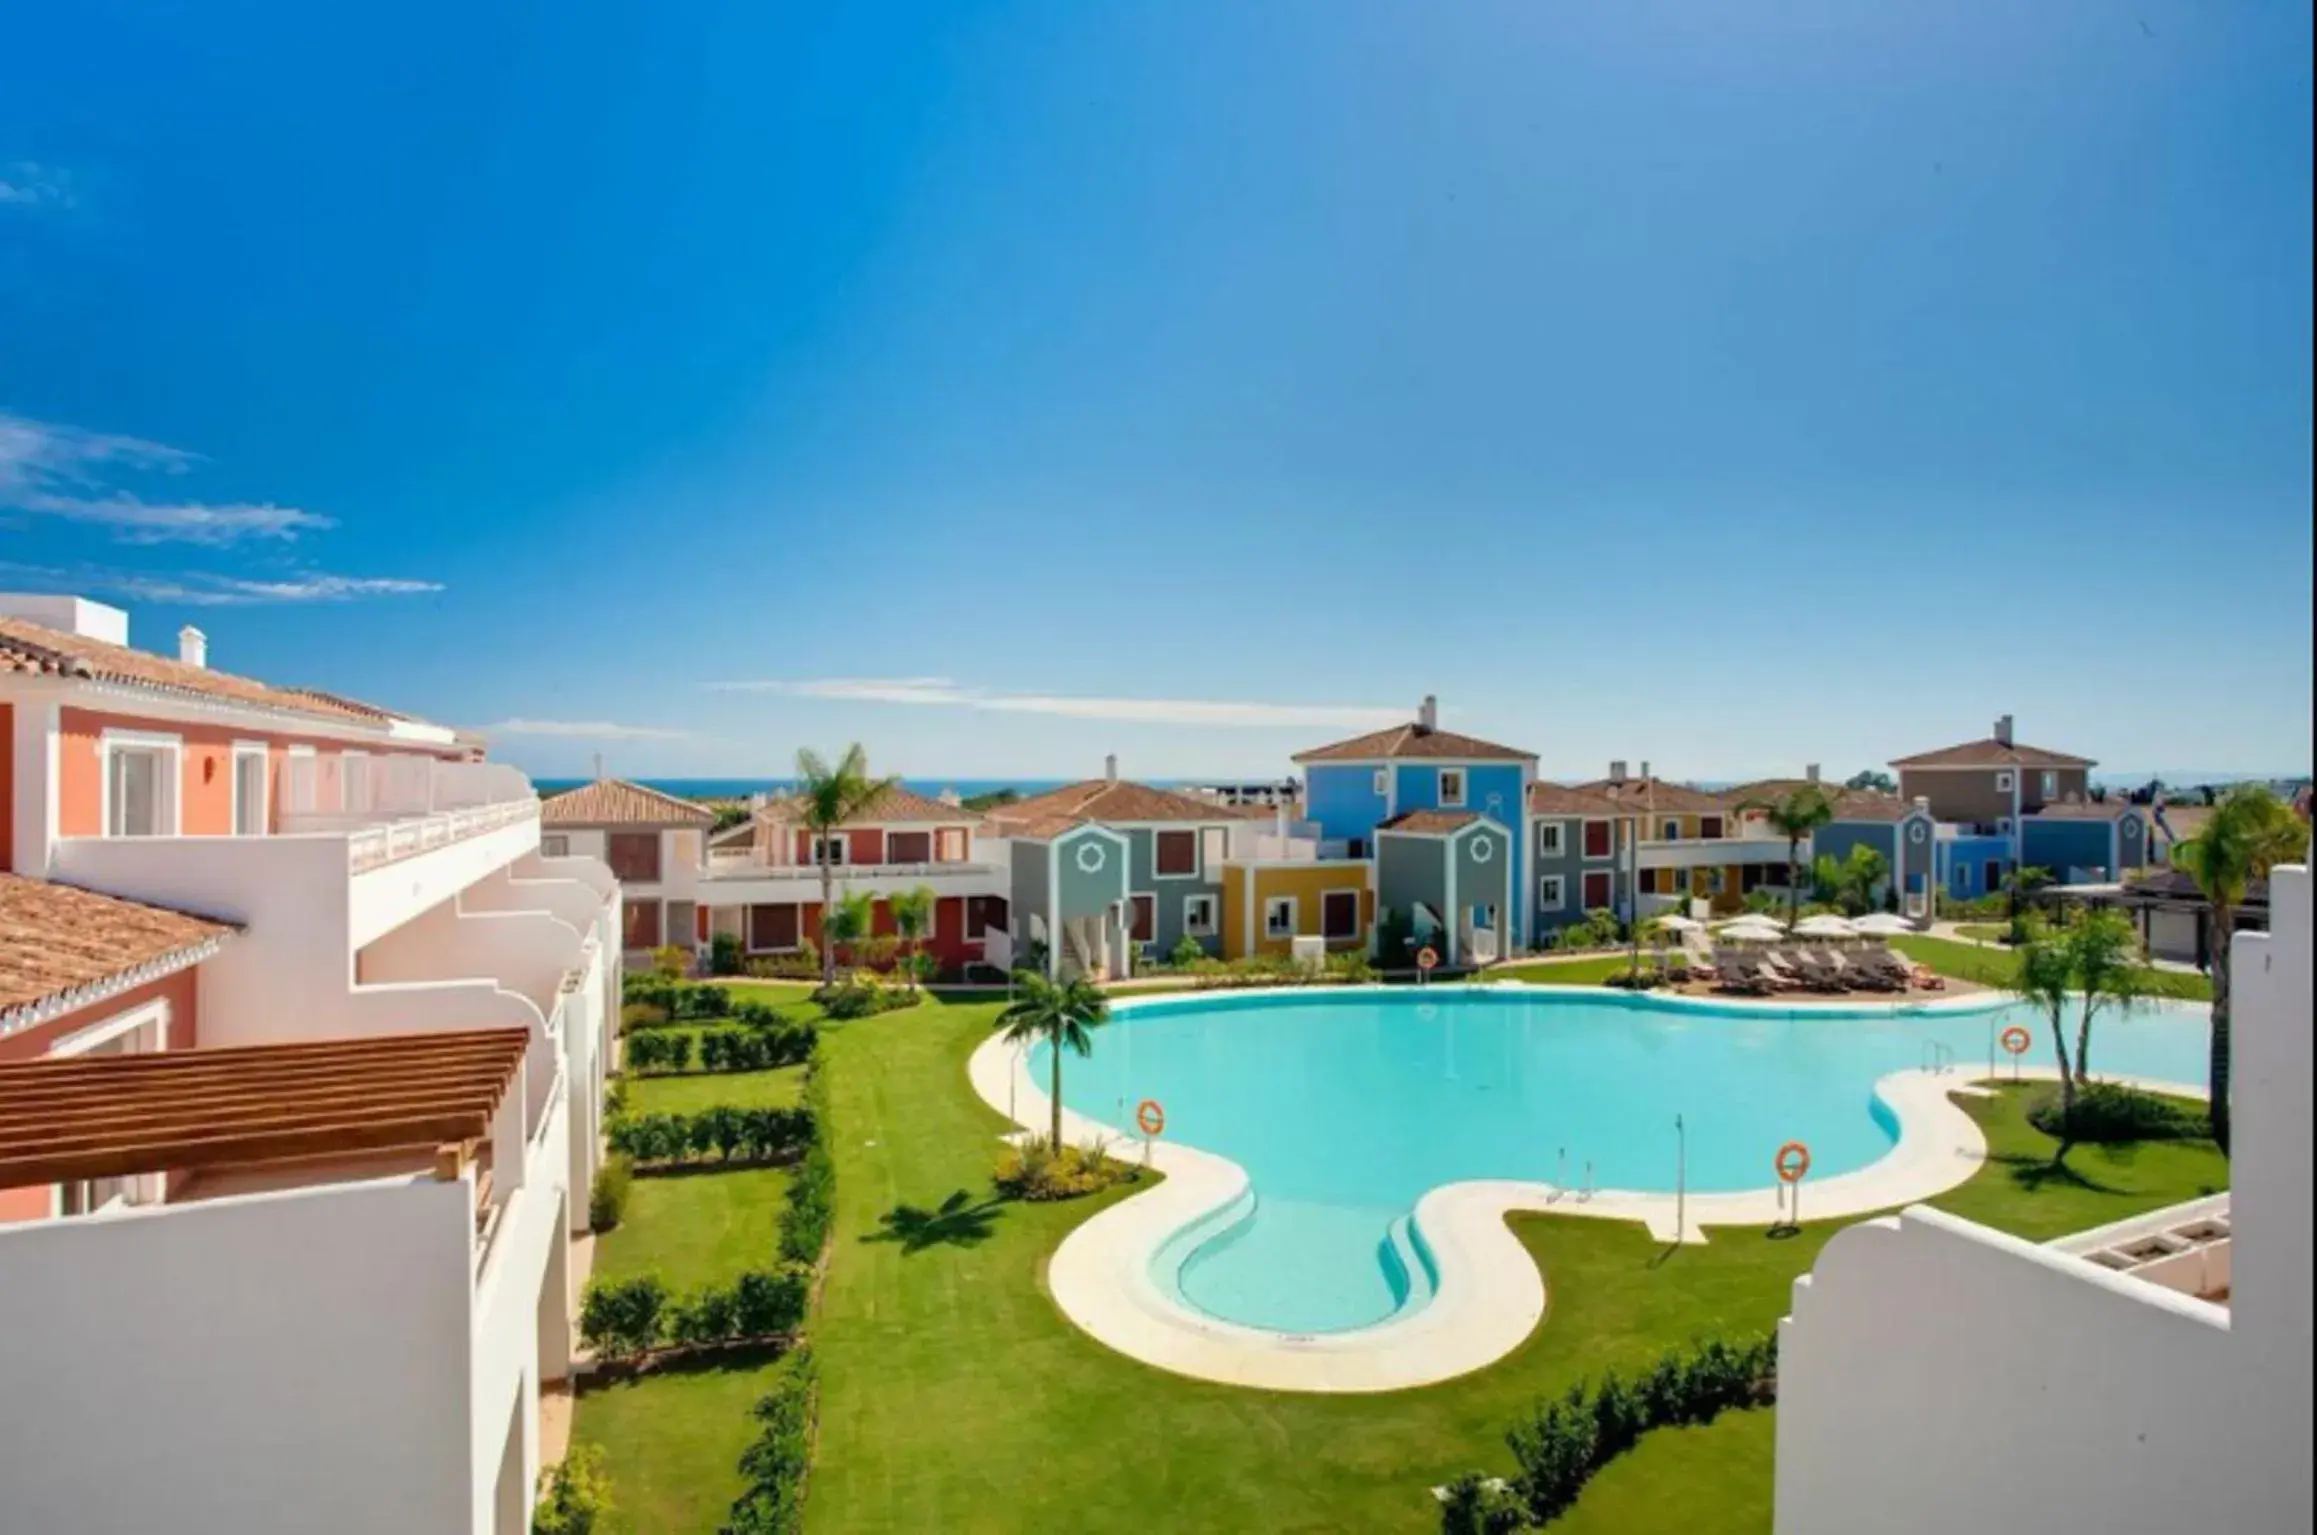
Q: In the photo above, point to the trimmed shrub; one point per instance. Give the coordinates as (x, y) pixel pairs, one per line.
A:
(574, 1495)
(607, 1200)
(733, 1134)
(659, 1049)
(622, 1319)
(679, 1001)
(774, 1465)
(724, 956)
(1477, 1505)
(1035, 1172)
(2107, 1113)
(638, 1016)
(1350, 968)
(811, 1195)
(864, 995)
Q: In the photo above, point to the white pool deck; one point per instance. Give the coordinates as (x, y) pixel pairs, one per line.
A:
(1490, 1295)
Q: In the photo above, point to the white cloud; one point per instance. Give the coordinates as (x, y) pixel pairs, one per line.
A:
(588, 730)
(26, 185)
(65, 472)
(941, 692)
(204, 589)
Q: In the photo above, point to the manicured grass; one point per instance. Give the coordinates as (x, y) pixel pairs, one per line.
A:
(672, 1441)
(692, 1092)
(1983, 932)
(1996, 967)
(956, 1398)
(2022, 1192)
(696, 1227)
(1589, 971)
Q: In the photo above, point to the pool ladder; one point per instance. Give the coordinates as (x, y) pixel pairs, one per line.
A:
(1938, 1057)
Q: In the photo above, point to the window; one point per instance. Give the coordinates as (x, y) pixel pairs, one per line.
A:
(1714, 881)
(641, 920)
(1279, 917)
(1143, 918)
(1339, 914)
(1596, 891)
(140, 788)
(2051, 784)
(1549, 839)
(983, 913)
(2003, 826)
(1672, 831)
(952, 845)
(634, 857)
(1452, 786)
(829, 850)
(1597, 839)
(1176, 854)
(1994, 876)
(554, 845)
(909, 847)
(1356, 847)
(1710, 827)
(249, 786)
(773, 927)
(1199, 916)
(1549, 893)
(1383, 782)
(2003, 782)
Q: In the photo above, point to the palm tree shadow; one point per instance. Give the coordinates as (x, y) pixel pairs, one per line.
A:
(957, 1222)
(2033, 1172)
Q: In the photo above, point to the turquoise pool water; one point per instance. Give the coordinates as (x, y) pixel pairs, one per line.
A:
(1345, 1109)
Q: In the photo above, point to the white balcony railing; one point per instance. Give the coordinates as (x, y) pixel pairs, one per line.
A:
(371, 846)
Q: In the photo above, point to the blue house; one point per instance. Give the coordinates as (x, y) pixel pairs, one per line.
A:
(1355, 787)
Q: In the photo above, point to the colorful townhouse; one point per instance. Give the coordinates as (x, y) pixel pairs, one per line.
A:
(302, 1048)
(1106, 869)
(1999, 804)
(653, 843)
(1442, 815)
(763, 887)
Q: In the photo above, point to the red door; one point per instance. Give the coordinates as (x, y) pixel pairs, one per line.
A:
(1596, 891)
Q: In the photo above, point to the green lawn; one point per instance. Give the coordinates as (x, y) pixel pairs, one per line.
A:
(1996, 967)
(696, 1227)
(672, 1441)
(956, 1398)
(1589, 971)
(1983, 932)
(689, 1094)
(2021, 1192)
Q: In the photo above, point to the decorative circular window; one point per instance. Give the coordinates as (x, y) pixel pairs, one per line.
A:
(2131, 826)
(1918, 832)
(1091, 857)
(1484, 850)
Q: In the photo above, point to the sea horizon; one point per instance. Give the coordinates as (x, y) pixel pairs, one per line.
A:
(966, 788)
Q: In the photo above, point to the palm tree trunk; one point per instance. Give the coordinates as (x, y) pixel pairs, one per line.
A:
(1055, 1096)
(1793, 881)
(2067, 1088)
(828, 895)
(2217, 1083)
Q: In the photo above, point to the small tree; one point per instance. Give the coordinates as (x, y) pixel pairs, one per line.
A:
(827, 798)
(1795, 816)
(574, 1495)
(2104, 953)
(912, 920)
(2020, 884)
(1061, 1013)
(1872, 780)
(2248, 834)
(848, 925)
(2045, 970)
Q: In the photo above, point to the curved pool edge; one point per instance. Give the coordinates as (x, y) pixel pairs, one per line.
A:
(1489, 1295)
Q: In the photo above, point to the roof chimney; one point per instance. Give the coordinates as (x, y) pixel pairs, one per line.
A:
(2003, 728)
(1428, 716)
(193, 647)
(1811, 772)
(1645, 770)
(1110, 768)
(1617, 771)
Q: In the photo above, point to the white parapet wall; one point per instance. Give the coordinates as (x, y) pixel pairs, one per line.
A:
(279, 1362)
(1937, 1376)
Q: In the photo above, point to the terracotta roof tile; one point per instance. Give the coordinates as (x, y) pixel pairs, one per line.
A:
(1430, 823)
(1109, 801)
(1655, 796)
(35, 649)
(1412, 740)
(1990, 752)
(895, 806)
(616, 802)
(1560, 799)
(1859, 805)
(59, 942)
(2089, 811)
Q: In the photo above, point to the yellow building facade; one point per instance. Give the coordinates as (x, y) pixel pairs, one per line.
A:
(1266, 906)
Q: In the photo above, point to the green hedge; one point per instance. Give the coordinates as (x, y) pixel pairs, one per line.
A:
(812, 1185)
(627, 1318)
(681, 1001)
(733, 1134)
(863, 995)
(754, 1045)
(2107, 1113)
(607, 1199)
(775, 1465)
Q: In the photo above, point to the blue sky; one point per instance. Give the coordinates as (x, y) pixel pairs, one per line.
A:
(1001, 385)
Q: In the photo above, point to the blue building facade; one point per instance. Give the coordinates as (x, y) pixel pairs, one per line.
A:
(1970, 866)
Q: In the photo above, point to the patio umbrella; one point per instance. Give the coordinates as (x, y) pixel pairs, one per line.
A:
(1751, 930)
(1825, 925)
(1683, 925)
(1882, 924)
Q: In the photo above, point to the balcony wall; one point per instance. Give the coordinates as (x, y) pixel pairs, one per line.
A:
(287, 1361)
(522, 1261)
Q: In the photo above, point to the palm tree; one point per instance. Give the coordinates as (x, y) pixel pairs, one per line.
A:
(2045, 972)
(1059, 1013)
(912, 920)
(2249, 833)
(1795, 815)
(2023, 881)
(2104, 954)
(849, 922)
(826, 799)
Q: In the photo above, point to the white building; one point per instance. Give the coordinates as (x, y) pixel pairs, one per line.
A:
(302, 1049)
(1937, 1376)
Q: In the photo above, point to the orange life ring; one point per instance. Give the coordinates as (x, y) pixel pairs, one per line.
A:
(1793, 1161)
(2016, 1040)
(1150, 1117)
(1426, 959)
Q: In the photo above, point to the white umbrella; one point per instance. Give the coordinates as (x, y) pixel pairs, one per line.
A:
(1882, 924)
(1752, 930)
(1825, 925)
(1679, 924)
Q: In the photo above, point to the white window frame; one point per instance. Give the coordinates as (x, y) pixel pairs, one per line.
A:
(135, 1188)
(555, 844)
(1192, 926)
(1552, 893)
(2003, 783)
(838, 840)
(1382, 783)
(290, 760)
(168, 786)
(1462, 782)
(1272, 905)
(1550, 839)
(244, 751)
(1198, 847)
(1584, 835)
(1671, 831)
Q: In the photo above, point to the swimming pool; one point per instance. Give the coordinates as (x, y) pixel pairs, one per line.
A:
(1344, 1108)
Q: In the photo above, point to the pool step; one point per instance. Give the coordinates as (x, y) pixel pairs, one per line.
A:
(1408, 1265)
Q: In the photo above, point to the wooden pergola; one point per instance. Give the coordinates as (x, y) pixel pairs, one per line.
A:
(69, 1118)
